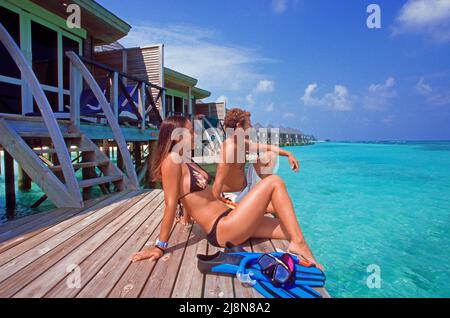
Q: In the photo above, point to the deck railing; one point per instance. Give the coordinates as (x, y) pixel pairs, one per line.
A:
(146, 109)
(77, 68)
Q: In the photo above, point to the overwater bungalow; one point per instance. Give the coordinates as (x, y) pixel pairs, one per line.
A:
(69, 97)
(282, 136)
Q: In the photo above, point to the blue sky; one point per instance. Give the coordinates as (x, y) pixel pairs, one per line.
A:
(311, 64)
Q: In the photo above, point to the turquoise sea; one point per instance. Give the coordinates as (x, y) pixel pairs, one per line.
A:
(386, 204)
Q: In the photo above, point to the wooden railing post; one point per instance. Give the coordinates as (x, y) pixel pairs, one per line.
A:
(142, 101)
(75, 94)
(114, 97)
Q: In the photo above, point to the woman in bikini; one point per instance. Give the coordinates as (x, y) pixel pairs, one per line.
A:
(186, 183)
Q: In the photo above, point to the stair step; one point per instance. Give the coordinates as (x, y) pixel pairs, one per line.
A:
(52, 150)
(100, 180)
(43, 134)
(82, 165)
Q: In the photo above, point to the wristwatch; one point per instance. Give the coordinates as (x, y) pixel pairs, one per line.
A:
(161, 245)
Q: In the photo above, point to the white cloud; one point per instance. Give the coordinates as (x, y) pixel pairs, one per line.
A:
(265, 86)
(222, 99)
(427, 17)
(288, 115)
(200, 53)
(250, 99)
(279, 6)
(432, 96)
(269, 108)
(379, 95)
(339, 99)
(439, 99)
(422, 87)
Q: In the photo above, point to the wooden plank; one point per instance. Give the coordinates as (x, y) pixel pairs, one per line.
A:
(26, 231)
(113, 123)
(33, 84)
(189, 282)
(217, 286)
(54, 151)
(133, 280)
(107, 276)
(81, 165)
(262, 245)
(36, 169)
(43, 216)
(100, 180)
(163, 276)
(45, 134)
(39, 232)
(16, 262)
(43, 283)
(23, 277)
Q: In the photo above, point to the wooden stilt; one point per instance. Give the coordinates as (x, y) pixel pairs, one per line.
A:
(149, 178)
(10, 193)
(24, 181)
(106, 147)
(119, 159)
(137, 155)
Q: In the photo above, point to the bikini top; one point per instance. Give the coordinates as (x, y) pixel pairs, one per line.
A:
(198, 181)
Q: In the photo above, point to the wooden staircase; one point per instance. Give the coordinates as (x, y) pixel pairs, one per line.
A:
(42, 164)
(57, 177)
(92, 160)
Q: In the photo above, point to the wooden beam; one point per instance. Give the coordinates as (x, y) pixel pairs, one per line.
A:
(113, 122)
(10, 193)
(75, 94)
(47, 113)
(114, 97)
(142, 103)
(130, 100)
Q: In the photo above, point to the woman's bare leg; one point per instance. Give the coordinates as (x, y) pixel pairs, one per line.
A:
(244, 221)
(271, 228)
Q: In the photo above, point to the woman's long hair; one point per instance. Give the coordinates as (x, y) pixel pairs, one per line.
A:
(165, 143)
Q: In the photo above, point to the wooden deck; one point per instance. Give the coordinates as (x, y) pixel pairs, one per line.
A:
(85, 253)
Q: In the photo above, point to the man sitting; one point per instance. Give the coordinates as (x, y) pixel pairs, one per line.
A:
(232, 182)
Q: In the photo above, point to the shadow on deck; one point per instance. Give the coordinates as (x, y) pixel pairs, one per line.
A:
(85, 253)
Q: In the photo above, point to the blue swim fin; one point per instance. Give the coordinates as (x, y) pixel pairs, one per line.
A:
(245, 262)
(228, 263)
